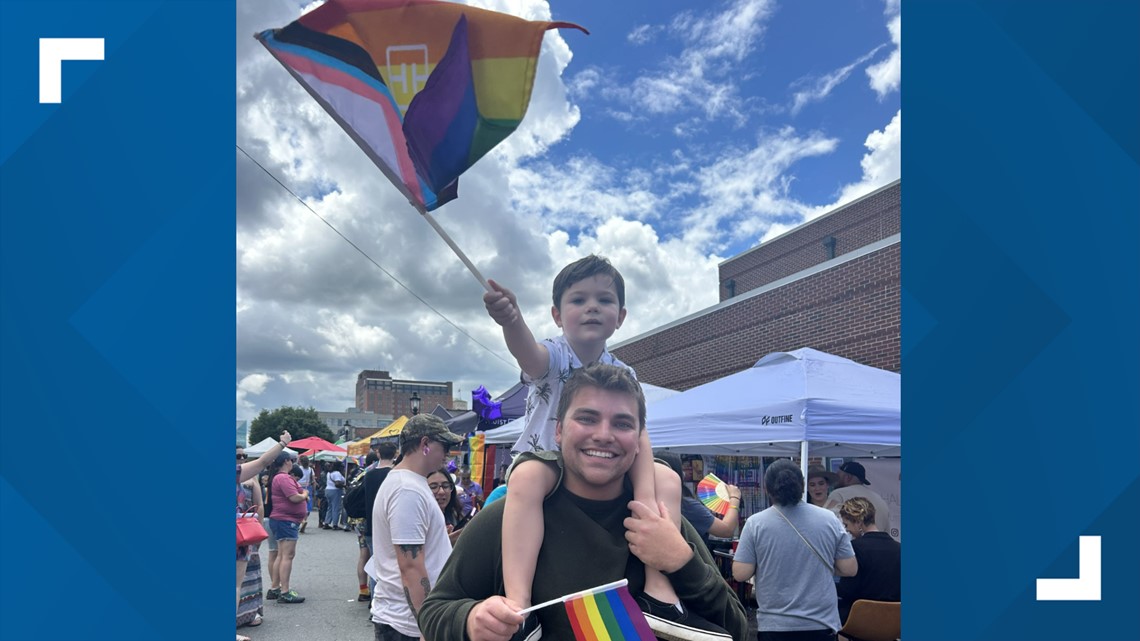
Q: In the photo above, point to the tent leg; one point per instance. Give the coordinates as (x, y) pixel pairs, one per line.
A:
(804, 465)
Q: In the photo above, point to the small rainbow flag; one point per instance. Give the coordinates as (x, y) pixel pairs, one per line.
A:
(604, 613)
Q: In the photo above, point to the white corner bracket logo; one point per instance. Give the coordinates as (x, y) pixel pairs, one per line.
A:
(1086, 587)
(53, 51)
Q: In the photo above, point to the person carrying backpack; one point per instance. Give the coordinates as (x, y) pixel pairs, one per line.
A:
(358, 501)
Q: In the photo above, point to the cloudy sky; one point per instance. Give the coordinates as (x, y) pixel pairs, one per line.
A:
(674, 136)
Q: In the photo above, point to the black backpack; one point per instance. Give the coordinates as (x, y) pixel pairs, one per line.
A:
(356, 496)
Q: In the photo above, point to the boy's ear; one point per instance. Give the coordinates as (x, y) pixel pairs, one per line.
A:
(557, 316)
(621, 318)
(558, 434)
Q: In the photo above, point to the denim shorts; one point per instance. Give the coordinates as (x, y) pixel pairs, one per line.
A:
(285, 530)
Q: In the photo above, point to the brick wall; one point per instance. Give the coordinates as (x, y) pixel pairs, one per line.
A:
(871, 218)
(850, 310)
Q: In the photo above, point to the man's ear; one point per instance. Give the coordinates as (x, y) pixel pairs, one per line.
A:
(556, 315)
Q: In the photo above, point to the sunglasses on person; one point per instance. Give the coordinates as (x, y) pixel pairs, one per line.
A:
(435, 487)
(242, 457)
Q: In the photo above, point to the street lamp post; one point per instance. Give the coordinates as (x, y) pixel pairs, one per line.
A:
(415, 403)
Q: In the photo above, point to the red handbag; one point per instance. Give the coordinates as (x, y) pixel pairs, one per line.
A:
(249, 529)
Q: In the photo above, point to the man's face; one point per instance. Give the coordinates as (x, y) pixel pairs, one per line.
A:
(846, 479)
(589, 311)
(436, 454)
(599, 437)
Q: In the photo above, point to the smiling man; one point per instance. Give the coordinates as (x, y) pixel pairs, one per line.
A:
(591, 537)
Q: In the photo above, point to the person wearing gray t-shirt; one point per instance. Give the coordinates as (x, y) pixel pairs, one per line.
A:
(793, 549)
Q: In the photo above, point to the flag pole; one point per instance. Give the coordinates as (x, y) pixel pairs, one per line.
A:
(562, 599)
(451, 243)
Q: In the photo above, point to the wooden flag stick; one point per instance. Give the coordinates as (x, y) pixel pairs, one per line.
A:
(451, 243)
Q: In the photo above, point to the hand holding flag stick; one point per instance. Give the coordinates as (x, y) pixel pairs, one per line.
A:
(422, 95)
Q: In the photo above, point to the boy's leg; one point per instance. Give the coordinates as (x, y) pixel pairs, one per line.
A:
(649, 487)
(523, 527)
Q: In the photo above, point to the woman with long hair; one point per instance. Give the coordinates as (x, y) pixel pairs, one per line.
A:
(880, 558)
(443, 489)
(819, 484)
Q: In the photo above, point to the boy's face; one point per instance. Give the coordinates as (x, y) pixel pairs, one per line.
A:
(589, 310)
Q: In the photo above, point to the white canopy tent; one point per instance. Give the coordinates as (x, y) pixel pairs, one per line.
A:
(787, 404)
(261, 447)
(509, 433)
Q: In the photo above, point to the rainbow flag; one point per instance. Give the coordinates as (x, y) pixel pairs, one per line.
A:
(610, 615)
(424, 87)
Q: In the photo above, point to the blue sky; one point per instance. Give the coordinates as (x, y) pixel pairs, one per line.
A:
(674, 136)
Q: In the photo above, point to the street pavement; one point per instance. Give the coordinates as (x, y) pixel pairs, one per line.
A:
(324, 572)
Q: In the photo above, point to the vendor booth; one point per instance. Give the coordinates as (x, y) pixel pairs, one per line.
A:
(837, 407)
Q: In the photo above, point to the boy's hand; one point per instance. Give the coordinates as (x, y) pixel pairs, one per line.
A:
(501, 304)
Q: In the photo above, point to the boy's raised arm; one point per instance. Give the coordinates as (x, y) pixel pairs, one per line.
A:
(502, 306)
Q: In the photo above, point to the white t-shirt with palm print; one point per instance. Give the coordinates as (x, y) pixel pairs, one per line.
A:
(543, 394)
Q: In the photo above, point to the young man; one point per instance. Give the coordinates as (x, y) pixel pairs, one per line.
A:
(853, 483)
(599, 421)
(374, 475)
(409, 536)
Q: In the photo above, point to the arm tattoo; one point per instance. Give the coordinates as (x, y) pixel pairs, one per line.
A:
(426, 586)
(413, 550)
(408, 597)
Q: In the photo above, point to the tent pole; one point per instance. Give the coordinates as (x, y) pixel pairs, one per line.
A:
(804, 466)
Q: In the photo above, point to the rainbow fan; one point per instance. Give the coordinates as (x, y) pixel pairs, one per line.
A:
(714, 494)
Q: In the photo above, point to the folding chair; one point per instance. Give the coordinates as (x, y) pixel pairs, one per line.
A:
(873, 621)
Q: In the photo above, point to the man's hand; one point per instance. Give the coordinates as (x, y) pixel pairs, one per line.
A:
(654, 538)
(493, 620)
(501, 304)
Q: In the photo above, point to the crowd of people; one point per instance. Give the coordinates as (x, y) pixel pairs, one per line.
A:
(587, 503)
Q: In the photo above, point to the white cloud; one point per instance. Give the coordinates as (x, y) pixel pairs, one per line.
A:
(251, 385)
(818, 88)
(702, 78)
(886, 76)
(882, 165)
(643, 33)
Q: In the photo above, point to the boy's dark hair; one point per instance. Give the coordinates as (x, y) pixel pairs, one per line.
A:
(605, 377)
(584, 268)
(784, 482)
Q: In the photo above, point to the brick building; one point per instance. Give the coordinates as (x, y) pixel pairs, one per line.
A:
(377, 391)
(831, 284)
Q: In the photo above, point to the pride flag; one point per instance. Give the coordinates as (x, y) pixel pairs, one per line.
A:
(610, 615)
(424, 87)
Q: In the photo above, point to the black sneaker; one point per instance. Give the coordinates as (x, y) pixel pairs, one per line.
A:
(672, 624)
(272, 594)
(290, 597)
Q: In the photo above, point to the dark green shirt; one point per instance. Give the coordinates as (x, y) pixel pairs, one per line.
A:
(583, 546)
